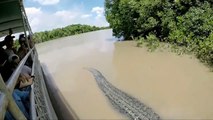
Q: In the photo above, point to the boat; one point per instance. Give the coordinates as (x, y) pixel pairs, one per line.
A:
(46, 101)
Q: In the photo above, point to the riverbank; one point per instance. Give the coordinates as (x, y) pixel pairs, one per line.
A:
(69, 30)
(153, 45)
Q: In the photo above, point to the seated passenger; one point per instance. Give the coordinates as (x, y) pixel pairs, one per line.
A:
(8, 41)
(21, 92)
(24, 85)
(3, 58)
(22, 51)
(22, 100)
(13, 60)
(11, 65)
(31, 43)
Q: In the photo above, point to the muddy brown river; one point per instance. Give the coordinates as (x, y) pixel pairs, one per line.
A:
(175, 87)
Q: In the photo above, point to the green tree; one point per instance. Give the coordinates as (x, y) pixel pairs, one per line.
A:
(181, 22)
(62, 32)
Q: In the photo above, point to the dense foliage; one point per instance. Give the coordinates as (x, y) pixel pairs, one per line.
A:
(62, 32)
(186, 23)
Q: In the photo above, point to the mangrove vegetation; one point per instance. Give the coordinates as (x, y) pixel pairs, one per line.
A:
(184, 23)
(74, 29)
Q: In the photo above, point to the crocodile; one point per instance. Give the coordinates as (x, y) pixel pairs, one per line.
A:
(123, 102)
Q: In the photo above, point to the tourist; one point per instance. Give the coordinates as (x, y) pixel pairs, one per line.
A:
(30, 39)
(3, 58)
(8, 41)
(23, 49)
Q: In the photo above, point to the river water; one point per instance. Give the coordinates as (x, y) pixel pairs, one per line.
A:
(175, 87)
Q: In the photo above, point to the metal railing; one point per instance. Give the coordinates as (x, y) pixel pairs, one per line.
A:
(7, 100)
(41, 107)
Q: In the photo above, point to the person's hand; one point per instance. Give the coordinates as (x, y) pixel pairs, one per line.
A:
(26, 83)
(25, 80)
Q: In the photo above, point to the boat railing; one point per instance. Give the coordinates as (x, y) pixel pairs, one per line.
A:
(40, 104)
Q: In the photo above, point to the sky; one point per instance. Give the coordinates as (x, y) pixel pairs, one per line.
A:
(50, 14)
